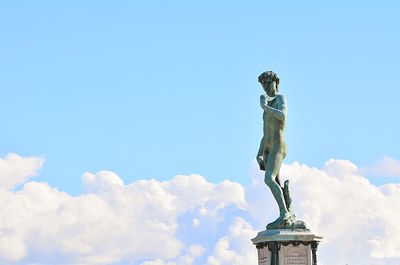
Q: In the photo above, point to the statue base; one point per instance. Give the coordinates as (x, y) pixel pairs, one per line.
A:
(287, 247)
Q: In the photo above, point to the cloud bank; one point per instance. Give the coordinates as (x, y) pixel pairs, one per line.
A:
(189, 220)
(386, 167)
(15, 169)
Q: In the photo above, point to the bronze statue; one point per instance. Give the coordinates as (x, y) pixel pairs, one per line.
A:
(273, 150)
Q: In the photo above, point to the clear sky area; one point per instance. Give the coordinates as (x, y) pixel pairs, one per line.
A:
(155, 89)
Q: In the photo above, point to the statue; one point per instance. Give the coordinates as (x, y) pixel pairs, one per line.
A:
(273, 150)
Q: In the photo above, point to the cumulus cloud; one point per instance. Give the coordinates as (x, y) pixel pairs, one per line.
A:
(386, 167)
(188, 220)
(192, 252)
(15, 169)
(234, 247)
(358, 220)
(109, 223)
(102, 180)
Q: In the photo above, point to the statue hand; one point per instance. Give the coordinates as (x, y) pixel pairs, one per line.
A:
(260, 162)
(262, 101)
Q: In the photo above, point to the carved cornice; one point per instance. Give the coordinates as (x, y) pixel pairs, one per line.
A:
(286, 243)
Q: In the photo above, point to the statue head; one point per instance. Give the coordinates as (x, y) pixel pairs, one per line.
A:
(269, 80)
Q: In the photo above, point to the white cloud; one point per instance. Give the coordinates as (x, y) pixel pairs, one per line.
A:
(235, 248)
(387, 167)
(15, 169)
(358, 220)
(158, 262)
(188, 258)
(102, 180)
(110, 223)
(188, 220)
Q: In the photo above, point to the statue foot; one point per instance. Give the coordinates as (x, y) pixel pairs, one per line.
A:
(287, 222)
(282, 222)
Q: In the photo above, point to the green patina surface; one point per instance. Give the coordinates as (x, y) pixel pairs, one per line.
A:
(273, 149)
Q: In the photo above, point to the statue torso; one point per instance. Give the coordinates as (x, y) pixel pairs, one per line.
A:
(273, 129)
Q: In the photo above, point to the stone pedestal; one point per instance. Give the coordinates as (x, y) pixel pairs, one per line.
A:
(286, 247)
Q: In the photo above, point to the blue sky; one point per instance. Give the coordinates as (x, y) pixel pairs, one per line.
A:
(154, 89)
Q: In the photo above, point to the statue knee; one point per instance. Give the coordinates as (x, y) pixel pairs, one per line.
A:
(268, 180)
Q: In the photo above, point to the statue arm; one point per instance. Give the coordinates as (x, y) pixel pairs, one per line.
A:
(281, 112)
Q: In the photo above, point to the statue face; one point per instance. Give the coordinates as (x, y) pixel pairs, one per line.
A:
(269, 88)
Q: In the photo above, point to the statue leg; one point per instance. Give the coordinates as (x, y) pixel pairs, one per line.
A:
(265, 165)
(273, 165)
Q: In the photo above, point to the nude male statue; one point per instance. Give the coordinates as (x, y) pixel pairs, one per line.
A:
(273, 149)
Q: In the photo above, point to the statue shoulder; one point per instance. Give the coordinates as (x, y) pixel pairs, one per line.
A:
(281, 99)
(281, 103)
